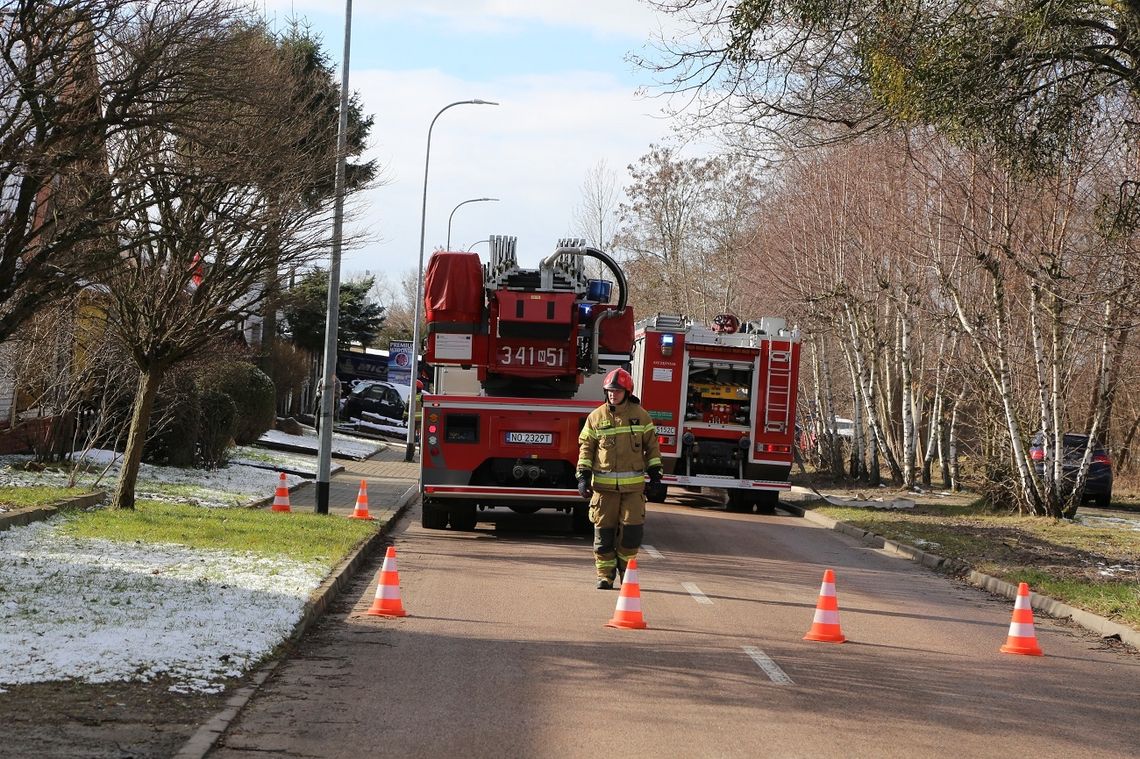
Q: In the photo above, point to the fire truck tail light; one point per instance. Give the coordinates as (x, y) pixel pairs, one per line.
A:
(771, 448)
(432, 429)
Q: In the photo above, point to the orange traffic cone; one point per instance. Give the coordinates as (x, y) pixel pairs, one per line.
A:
(1022, 639)
(628, 612)
(281, 497)
(387, 603)
(825, 625)
(361, 510)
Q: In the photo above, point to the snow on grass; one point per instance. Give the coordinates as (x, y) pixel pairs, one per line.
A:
(231, 486)
(101, 611)
(234, 485)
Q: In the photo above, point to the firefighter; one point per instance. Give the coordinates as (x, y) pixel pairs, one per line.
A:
(617, 447)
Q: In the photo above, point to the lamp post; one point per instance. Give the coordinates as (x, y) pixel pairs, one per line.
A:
(328, 377)
(453, 210)
(477, 242)
(410, 453)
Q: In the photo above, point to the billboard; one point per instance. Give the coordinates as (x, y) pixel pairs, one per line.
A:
(400, 362)
(366, 366)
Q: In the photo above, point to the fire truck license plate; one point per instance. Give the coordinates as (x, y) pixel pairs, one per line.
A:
(530, 438)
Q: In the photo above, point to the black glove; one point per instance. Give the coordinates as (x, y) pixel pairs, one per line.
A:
(584, 481)
(655, 474)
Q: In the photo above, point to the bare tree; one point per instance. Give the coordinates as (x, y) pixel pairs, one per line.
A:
(73, 74)
(596, 217)
(204, 213)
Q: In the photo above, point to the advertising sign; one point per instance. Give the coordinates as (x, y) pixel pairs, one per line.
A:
(400, 362)
(351, 366)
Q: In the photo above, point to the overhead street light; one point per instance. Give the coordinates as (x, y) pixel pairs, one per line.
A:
(410, 453)
(477, 242)
(453, 210)
(332, 318)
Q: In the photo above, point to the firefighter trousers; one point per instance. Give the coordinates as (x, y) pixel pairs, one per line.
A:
(619, 523)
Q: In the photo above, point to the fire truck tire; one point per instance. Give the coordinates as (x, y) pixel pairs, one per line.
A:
(738, 502)
(767, 501)
(433, 516)
(580, 521)
(463, 517)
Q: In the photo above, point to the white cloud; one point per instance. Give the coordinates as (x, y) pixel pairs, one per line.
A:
(533, 151)
(606, 17)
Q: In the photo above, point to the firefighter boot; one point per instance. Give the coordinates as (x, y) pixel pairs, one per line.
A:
(621, 570)
(606, 583)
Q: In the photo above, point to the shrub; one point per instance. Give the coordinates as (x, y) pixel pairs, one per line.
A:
(173, 436)
(219, 417)
(252, 393)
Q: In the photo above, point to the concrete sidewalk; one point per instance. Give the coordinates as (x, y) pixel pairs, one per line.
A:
(389, 479)
(392, 484)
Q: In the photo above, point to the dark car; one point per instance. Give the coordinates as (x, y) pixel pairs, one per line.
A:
(380, 398)
(1098, 486)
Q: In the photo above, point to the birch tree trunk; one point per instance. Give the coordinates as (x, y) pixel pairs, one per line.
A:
(906, 399)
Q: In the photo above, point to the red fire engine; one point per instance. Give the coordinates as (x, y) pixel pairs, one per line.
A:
(723, 400)
(525, 339)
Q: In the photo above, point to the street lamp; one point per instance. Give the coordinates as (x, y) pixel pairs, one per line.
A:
(453, 210)
(477, 242)
(328, 395)
(410, 453)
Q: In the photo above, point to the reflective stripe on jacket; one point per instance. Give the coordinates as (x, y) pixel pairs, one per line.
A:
(618, 445)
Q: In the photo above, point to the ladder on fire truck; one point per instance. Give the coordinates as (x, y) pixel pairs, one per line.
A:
(778, 382)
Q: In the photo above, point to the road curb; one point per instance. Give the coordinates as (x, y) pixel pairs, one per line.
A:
(40, 513)
(1103, 627)
(206, 736)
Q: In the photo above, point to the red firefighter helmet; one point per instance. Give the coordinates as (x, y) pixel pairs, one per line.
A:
(618, 379)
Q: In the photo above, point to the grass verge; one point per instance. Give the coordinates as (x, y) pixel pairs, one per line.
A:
(303, 537)
(1091, 568)
(24, 497)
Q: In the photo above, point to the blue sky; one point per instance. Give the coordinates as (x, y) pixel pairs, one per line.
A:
(567, 101)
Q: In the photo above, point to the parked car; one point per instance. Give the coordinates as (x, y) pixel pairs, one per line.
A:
(381, 398)
(1098, 486)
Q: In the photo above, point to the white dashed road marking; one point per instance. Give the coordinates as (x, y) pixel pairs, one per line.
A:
(771, 668)
(696, 593)
(652, 551)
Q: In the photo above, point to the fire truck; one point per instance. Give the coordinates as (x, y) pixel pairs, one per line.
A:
(524, 341)
(723, 399)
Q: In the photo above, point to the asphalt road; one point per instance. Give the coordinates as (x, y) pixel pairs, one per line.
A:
(504, 654)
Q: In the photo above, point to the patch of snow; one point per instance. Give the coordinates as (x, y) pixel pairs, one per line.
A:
(381, 428)
(101, 611)
(1095, 520)
(874, 503)
(230, 486)
(345, 446)
(1117, 570)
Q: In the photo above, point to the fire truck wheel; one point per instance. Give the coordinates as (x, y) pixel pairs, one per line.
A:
(433, 516)
(580, 521)
(463, 518)
(767, 502)
(738, 502)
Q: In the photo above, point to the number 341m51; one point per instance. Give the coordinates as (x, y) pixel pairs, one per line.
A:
(531, 356)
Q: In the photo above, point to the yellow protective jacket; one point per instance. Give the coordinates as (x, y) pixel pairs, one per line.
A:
(618, 443)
